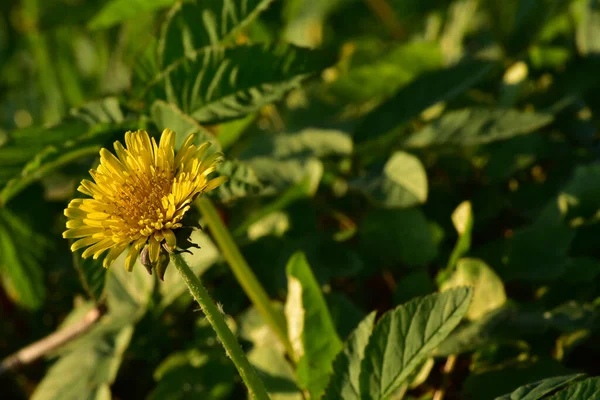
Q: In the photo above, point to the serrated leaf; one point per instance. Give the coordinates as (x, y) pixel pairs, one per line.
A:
(310, 328)
(406, 336)
(215, 84)
(21, 251)
(345, 383)
(277, 175)
(33, 153)
(472, 126)
(488, 289)
(241, 181)
(89, 367)
(401, 184)
(197, 24)
(538, 390)
(426, 90)
(117, 11)
(588, 389)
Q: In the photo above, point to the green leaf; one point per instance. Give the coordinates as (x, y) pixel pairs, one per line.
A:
(387, 72)
(345, 383)
(426, 90)
(191, 375)
(462, 219)
(215, 84)
(268, 355)
(312, 141)
(473, 126)
(117, 11)
(88, 366)
(307, 187)
(406, 336)
(21, 253)
(242, 181)
(128, 293)
(488, 289)
(588, 30)
(588, 389)
(167, 115)
(33, 153)
(275, 372)
(92, 274)
(402, 183)
(197, 24)
(393, 236)
(537, 390)
(199, 261)
(278, 175)
(310, 328)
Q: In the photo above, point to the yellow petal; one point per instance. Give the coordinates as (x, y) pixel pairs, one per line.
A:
(214, 183)
(170, 238)
(134, 251)
(153, 249)
(81, 243)
(113, 254)
(80, 232)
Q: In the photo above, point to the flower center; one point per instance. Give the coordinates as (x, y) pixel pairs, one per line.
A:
(139, 201)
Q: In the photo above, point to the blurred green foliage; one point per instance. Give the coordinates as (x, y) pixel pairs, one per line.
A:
(380, 149)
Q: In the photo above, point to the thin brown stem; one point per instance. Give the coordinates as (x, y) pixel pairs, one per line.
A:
(50, 343)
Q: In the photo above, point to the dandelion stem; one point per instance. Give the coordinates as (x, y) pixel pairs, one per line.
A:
(243, 273)
(214, 316)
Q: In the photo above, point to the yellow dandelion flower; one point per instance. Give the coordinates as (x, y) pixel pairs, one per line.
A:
(139, 197)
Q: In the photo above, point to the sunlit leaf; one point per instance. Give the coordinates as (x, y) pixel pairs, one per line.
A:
(588, 389)
(488, 289)
(310, 328)
(538, 390)
(345, 383)
(407, 335)
(402, 183)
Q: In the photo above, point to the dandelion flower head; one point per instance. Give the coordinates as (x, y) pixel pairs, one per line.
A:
(139, 196)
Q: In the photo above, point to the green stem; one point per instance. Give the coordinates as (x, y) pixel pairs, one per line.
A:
(243, 273)
(214, 316)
